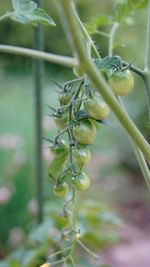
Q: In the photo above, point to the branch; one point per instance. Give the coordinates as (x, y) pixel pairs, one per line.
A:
(99, 82)
(147, 54)
(57, 59)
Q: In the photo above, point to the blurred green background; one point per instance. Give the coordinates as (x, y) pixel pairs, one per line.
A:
(113, 160)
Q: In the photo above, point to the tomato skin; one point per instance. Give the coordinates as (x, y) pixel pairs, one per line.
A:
(61, 121)
(121, 82)
(96, 107)
(85, 132)
(81, 181)
(81, 156)
(61, 189)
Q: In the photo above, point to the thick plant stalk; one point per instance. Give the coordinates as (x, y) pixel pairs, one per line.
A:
(99, 82)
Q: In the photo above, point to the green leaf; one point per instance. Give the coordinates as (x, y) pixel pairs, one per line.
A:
(39, 234)
(20, 5)
(33, 17)
(96, 22)
(124, 8)
(26, 11)
(107, 64)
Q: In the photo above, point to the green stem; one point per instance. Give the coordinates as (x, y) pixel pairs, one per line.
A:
(72, 261)
(147, 61)
(111, 38)
(139, 155)
(87, 36)
(87, 250)
(61, 60)
(99, 82)
(147, 54)
(146, 80)
(142, 164)
(102, 33)
(6, 15)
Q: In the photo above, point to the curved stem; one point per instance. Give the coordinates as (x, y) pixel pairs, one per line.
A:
(6, 15)
(99, 82)
(61, 60)
(147, 54)
(111, 38)
(86, 35)
(139, 155)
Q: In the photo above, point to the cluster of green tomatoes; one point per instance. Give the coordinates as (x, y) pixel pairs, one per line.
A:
(78, 117)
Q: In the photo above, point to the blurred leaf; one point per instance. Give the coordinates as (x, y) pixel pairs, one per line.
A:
(109, 217)
(28, 12)
(23, 5)
(96, 22)
(124, 8)
(40, 233)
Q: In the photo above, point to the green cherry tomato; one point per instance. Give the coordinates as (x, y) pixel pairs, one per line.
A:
(96, 107)
(61, 189)
(81, 156)
(121, 82)
(81, 181)
(61, 121)
(85, 132)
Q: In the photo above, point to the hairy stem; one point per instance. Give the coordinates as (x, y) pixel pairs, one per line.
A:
(61, 60)
(87, 36)
(99, 82)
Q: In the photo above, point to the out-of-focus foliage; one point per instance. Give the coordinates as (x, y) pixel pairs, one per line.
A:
(43, 239)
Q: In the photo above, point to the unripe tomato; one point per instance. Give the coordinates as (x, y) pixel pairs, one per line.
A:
(85, 132)
(61, 189)
(77, 72)
(121, 82)
(61, 121)
(81, 156)
(96, 107)
(81, 181)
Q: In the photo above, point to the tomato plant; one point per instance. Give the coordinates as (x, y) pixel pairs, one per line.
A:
(87, 97)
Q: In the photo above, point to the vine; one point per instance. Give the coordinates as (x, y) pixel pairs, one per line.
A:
(84, 105)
